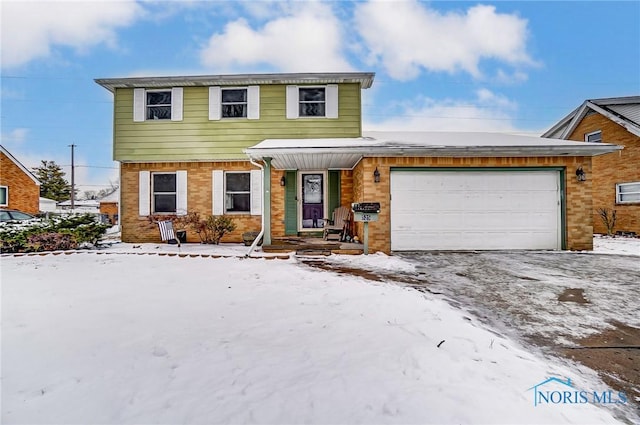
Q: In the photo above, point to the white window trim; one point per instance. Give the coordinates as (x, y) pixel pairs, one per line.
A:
(593, 133)
(226, 173)
(6, 195)
(222, 89)
(618, 193)
(330, 100)
(219, 192)
(140, 104)
(146, 205)
(304, 101)
(146, 106)
(153, 192)
(215, 103)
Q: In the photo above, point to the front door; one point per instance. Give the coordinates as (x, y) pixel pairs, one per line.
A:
(313, 195)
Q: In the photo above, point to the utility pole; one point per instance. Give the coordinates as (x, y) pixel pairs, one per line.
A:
(73, 183)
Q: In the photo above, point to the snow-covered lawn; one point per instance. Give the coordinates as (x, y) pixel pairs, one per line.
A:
(616, 245)
(128, 339)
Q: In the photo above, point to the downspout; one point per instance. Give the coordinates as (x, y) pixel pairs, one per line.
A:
(266, 194)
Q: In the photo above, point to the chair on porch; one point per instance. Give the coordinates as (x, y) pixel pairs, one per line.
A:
(336, 228)
(167, 233)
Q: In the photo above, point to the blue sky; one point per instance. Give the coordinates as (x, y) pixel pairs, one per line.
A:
(471, 66)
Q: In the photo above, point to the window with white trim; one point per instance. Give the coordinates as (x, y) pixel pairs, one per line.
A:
(237, 189)
(158, 104)
(312, 102)
(4, 196)
(593, 137)
(164, 193)
(628, 193)
(234, 103)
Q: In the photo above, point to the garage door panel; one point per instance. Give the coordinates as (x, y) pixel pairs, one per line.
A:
(449, 210)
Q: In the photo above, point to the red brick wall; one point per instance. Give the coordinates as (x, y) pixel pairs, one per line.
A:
(137, 228)
(609, 169)
(24, 193)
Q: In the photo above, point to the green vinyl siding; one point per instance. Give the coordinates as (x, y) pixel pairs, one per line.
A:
(291, 204)
(198, 138)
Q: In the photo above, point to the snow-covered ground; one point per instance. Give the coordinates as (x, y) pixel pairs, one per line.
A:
(616, 245)
(97, 337)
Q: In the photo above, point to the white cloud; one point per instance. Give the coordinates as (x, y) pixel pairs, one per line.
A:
(14, 137)
(487, 112)
(308, 39)
(407, 37)
(32, 29)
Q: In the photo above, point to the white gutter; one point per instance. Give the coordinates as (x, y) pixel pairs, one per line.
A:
(257, 239)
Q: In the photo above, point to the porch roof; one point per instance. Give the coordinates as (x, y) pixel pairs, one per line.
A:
(345, 153)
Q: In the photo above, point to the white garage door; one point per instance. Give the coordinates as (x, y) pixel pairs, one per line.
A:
(484, 210)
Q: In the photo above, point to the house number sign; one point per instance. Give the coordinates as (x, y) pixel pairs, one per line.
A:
(366, 212)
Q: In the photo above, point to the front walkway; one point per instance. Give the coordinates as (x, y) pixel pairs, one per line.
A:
(312, 246)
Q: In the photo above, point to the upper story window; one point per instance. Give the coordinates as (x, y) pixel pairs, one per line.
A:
(593, 137)
(163, 187)
(312, 101)
(161, 104)
(627, 193)
(158, 105)
(234, 103)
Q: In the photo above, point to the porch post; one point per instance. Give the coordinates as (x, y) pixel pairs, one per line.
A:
(266, 206)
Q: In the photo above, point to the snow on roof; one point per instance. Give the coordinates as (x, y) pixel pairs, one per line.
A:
(423, 140)
(344, 153)
(430, 140)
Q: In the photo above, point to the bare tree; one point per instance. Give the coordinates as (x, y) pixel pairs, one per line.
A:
(608, 218)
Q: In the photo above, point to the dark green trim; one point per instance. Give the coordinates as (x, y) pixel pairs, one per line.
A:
(334, 190)
(266, 207)
(477, 169)
(563, 209)
(563, 193)
(291, 204)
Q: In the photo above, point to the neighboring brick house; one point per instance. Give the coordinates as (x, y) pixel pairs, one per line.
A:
(289, 148)
(19, 188)
(616, 176)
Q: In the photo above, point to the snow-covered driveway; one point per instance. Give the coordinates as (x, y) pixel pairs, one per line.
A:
(130, 339)
(523, 288)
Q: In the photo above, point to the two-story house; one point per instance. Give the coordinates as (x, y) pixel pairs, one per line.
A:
(19, 187)
(616, 176)
(284, 150)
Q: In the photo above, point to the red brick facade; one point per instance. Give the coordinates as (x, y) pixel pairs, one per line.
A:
(356, 186)
(610, 169)
(23, 192)
(579, 220)
(136, 228)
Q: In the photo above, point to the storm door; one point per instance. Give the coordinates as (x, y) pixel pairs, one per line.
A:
(313, 200)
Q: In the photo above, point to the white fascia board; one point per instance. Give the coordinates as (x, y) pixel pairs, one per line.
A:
(631, 128)
(19, 165)
(562, 123)
(582, 111)
(448, 151)
(364, 78)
